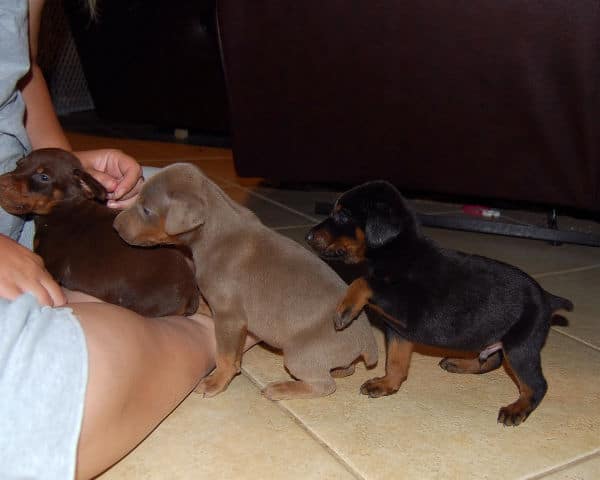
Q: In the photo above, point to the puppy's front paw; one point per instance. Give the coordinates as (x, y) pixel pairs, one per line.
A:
(357, 296)
(212, 385)
(379, 387)
(512, 416)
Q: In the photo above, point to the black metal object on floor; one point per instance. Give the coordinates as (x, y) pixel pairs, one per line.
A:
(551, 234)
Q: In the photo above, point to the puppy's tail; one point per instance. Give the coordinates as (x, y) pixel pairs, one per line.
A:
(559, 303)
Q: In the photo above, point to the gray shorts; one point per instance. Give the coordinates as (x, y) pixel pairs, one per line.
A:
(43, 378)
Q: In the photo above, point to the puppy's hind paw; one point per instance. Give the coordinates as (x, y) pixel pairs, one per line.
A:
(448, 365)
(288, 390)
(343, 371)
(460, 365)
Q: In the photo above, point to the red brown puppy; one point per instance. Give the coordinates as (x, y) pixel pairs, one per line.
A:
(79, 246)
(435, 296)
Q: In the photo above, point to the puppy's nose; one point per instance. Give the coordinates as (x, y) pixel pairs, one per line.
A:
(310, 236)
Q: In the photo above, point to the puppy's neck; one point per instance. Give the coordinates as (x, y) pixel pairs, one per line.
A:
(404, 249)
(226, 218)
(219, 199)
(76, 208)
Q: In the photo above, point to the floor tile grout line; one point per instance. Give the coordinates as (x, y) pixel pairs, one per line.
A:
(317, 438)
(267, 199)
(567, 271)
(577, 339)
(309, 431)
(564, 466)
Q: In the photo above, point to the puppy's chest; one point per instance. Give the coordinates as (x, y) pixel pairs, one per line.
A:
(403, 295)
(394, 284)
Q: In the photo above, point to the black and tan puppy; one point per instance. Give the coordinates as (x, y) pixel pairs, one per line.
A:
(435, 296)
(253, 279)
(81, 250)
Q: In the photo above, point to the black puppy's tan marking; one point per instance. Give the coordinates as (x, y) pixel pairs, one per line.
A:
(444, 298)
(397, 363)
(356, 298)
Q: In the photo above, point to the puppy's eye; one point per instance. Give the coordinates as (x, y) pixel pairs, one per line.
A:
(146, 211)
(342, 217)
(41, 177)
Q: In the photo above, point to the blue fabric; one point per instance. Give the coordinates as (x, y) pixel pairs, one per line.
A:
(43, 377)
(14, 64)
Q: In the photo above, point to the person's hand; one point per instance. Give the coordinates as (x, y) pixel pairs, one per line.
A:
(22, 271)
(119, 173)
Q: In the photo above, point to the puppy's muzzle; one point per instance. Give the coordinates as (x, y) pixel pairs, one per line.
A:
(11, 198)
(318, 239)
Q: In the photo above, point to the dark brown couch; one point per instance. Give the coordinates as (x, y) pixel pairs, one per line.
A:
(497, 99)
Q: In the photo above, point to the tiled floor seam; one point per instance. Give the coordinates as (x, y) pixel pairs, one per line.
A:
(310, 432)
(576, 339)
(267, 199)
(567, 271)
(564, 466)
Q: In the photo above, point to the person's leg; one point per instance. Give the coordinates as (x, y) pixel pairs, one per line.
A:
(140, 369)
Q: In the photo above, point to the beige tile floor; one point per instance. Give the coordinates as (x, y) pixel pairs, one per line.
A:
(438, 426)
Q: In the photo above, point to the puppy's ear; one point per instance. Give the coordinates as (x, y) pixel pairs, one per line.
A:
(90, 187)
(388, 216)
(382, 226)
(186, 212)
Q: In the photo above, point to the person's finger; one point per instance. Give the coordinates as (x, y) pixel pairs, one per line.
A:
(134, 191)
(40, 292)
(114, 169)
(54, 291)
(106, 180)
(39, 261)
(132, 176)
(121, 204)
(129, 198)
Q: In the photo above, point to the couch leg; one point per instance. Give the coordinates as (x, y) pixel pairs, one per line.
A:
(553, 224)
